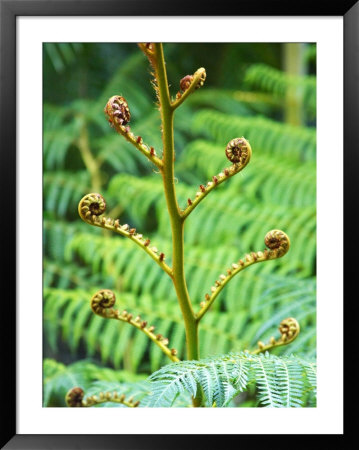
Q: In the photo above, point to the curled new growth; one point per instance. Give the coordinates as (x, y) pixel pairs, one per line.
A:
(239, 151)
(74, 397)
(185, 83)
(117, 110)
(289, 329)
(199, 77)
(118, 116)
(91, 206)
(101, 301)
(278, 243)
(188, 84)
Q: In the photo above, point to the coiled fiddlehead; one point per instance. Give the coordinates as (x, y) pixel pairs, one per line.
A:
(91, 206)
(289, 329)
(102, 303)
(75, 398)
(91, 210)
(118, 116)
(239, 152)
(277, 242)
(188, 84)
(185, 83)
(117, 110)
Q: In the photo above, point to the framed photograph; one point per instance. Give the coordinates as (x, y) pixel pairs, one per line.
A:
(151, 160)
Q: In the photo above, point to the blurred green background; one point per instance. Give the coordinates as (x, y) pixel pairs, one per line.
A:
(264, 92)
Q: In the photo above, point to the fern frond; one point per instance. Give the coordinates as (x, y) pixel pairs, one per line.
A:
(280, 381)
(265, 135)
(276, 82)
(62, 54)
(290, 383)
(62, 191)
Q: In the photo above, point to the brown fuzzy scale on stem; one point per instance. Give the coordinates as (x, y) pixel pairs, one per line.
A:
(148, 50)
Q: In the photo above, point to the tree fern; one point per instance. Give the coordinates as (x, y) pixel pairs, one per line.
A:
(277, 190)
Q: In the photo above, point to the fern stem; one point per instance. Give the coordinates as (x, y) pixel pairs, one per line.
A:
(277, 242)
(293, 55)
(88, 158)
(177, 225)
(156, 339)
(108, 223)
(205, 190)
(194, 85)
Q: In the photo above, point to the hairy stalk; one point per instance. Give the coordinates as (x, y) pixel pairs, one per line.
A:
(102, 304)
(91, 210)
(177, 225)
(289, 329)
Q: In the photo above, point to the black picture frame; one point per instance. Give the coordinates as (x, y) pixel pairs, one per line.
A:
(10, 9)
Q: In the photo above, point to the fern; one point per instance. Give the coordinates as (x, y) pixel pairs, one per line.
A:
(280, 381)
(62, 54)
(297, 143)
(276, 82)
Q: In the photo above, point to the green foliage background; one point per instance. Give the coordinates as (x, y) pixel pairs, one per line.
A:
(246, 94)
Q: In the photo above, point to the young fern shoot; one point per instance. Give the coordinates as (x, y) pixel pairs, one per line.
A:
(75, 399)
(92, 208)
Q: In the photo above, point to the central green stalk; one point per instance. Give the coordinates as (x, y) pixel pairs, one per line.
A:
(177, 222)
